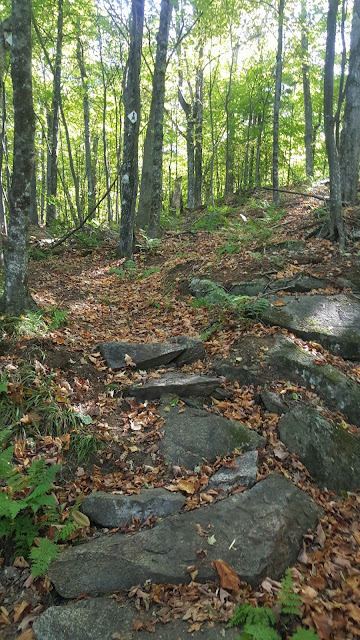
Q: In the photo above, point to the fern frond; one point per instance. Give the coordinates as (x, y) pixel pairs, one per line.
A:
(65, 532)
(289, 601)
(42, 555)
(305, 634)
(259, 632)
(25, 531)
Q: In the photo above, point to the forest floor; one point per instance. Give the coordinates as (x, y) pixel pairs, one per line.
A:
(148, 300)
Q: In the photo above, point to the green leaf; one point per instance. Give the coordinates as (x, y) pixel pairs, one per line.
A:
(85, 419)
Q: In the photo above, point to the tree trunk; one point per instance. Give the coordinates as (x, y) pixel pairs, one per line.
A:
(336, 226)
(278, 78)
(52, 156)
(91, 199)
(230, 126)
(309, 131)
(16, 294)
(104, 136)
(150, 200)
(190, 149)
(131, 130)
(350, 134)
(198, 117)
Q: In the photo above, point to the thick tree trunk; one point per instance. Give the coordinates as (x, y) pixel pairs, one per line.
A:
(336, 230)
(350, 134)
(150, 200)
(309, 130)
(230, 127)
(131, 130)
(104, 136)
(277, 97)
(91, 199)
(52, 156)
(190, 149)
(16, 294)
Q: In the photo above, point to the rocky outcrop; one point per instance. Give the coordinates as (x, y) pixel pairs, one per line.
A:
(258, 533)
(105, 619)
(181, 350)
(334, 321)
(175, 384)
(241, 474)
(192, 435)
(116, 510)
(329, 452)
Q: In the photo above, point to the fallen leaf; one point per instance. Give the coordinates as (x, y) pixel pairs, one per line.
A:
(189, 486)
(211, 540)
(26, 635)
(353, 611)
(323, 624)
(80, 518)
(20, 562)
(137, 625)
(229, 579)
(279, 303)
(19, 609)
(129, 361)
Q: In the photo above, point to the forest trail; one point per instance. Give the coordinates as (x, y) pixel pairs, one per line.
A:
(259, 380)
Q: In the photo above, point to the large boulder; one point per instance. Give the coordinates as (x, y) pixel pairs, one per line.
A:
(334, 321)
(105, 619)
(258, 533)
(116, 510)
(329, 452)
(194, 434)
(176, 384)
(300, 283)
(241, 474)
(180, 350)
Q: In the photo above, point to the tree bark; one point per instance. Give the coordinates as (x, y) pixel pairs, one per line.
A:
(150, 200)
(129, 169)
(277, 97)
(336, 226)
(91, 179)
(53, 136)
(309, 130)
(350, 134)
(198, 117)
(16, 293)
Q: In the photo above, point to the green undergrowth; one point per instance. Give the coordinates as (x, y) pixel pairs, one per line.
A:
(84, 446)
(32, 400)
(131, 271)
(28, 508)
(214, 297)
(33, 323)
(258, 622)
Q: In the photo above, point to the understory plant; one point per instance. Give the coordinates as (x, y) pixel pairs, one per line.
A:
(28, 508)
(32, 399)
(258, 622)
(211, 295)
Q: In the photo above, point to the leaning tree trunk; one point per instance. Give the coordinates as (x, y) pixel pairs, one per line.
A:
(350, 135)
(309, 130)
(336, 225)
(52, 157)
(278, 78)
(16, 294)
(129, 169)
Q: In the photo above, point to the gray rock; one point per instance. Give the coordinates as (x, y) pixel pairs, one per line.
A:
(273, 402)
(329, 452)
(177, 384)
(194, 434)
(333, 321)
(251, 288)
(288, 245)
(115, 510)
(298, 284)
(145, 356)
(333, 386)
(193, 350)
(243, 474)
(102, 618)
(258, 533)
(277, 357)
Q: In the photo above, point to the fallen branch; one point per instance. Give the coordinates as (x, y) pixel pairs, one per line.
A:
(296, 193)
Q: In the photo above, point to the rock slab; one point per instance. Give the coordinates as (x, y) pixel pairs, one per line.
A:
(178, 384)
(329, 452)
(194, 434)
(258, 533)
(242, 474)
(104, 619)
(334, 321)
(181, 350)
(115, 510)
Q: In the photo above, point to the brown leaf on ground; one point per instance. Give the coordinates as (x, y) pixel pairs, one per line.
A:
(229, 579)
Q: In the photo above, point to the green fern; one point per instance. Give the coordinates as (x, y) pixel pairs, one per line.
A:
(41, 556)
(258, 622)
(289, 601)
